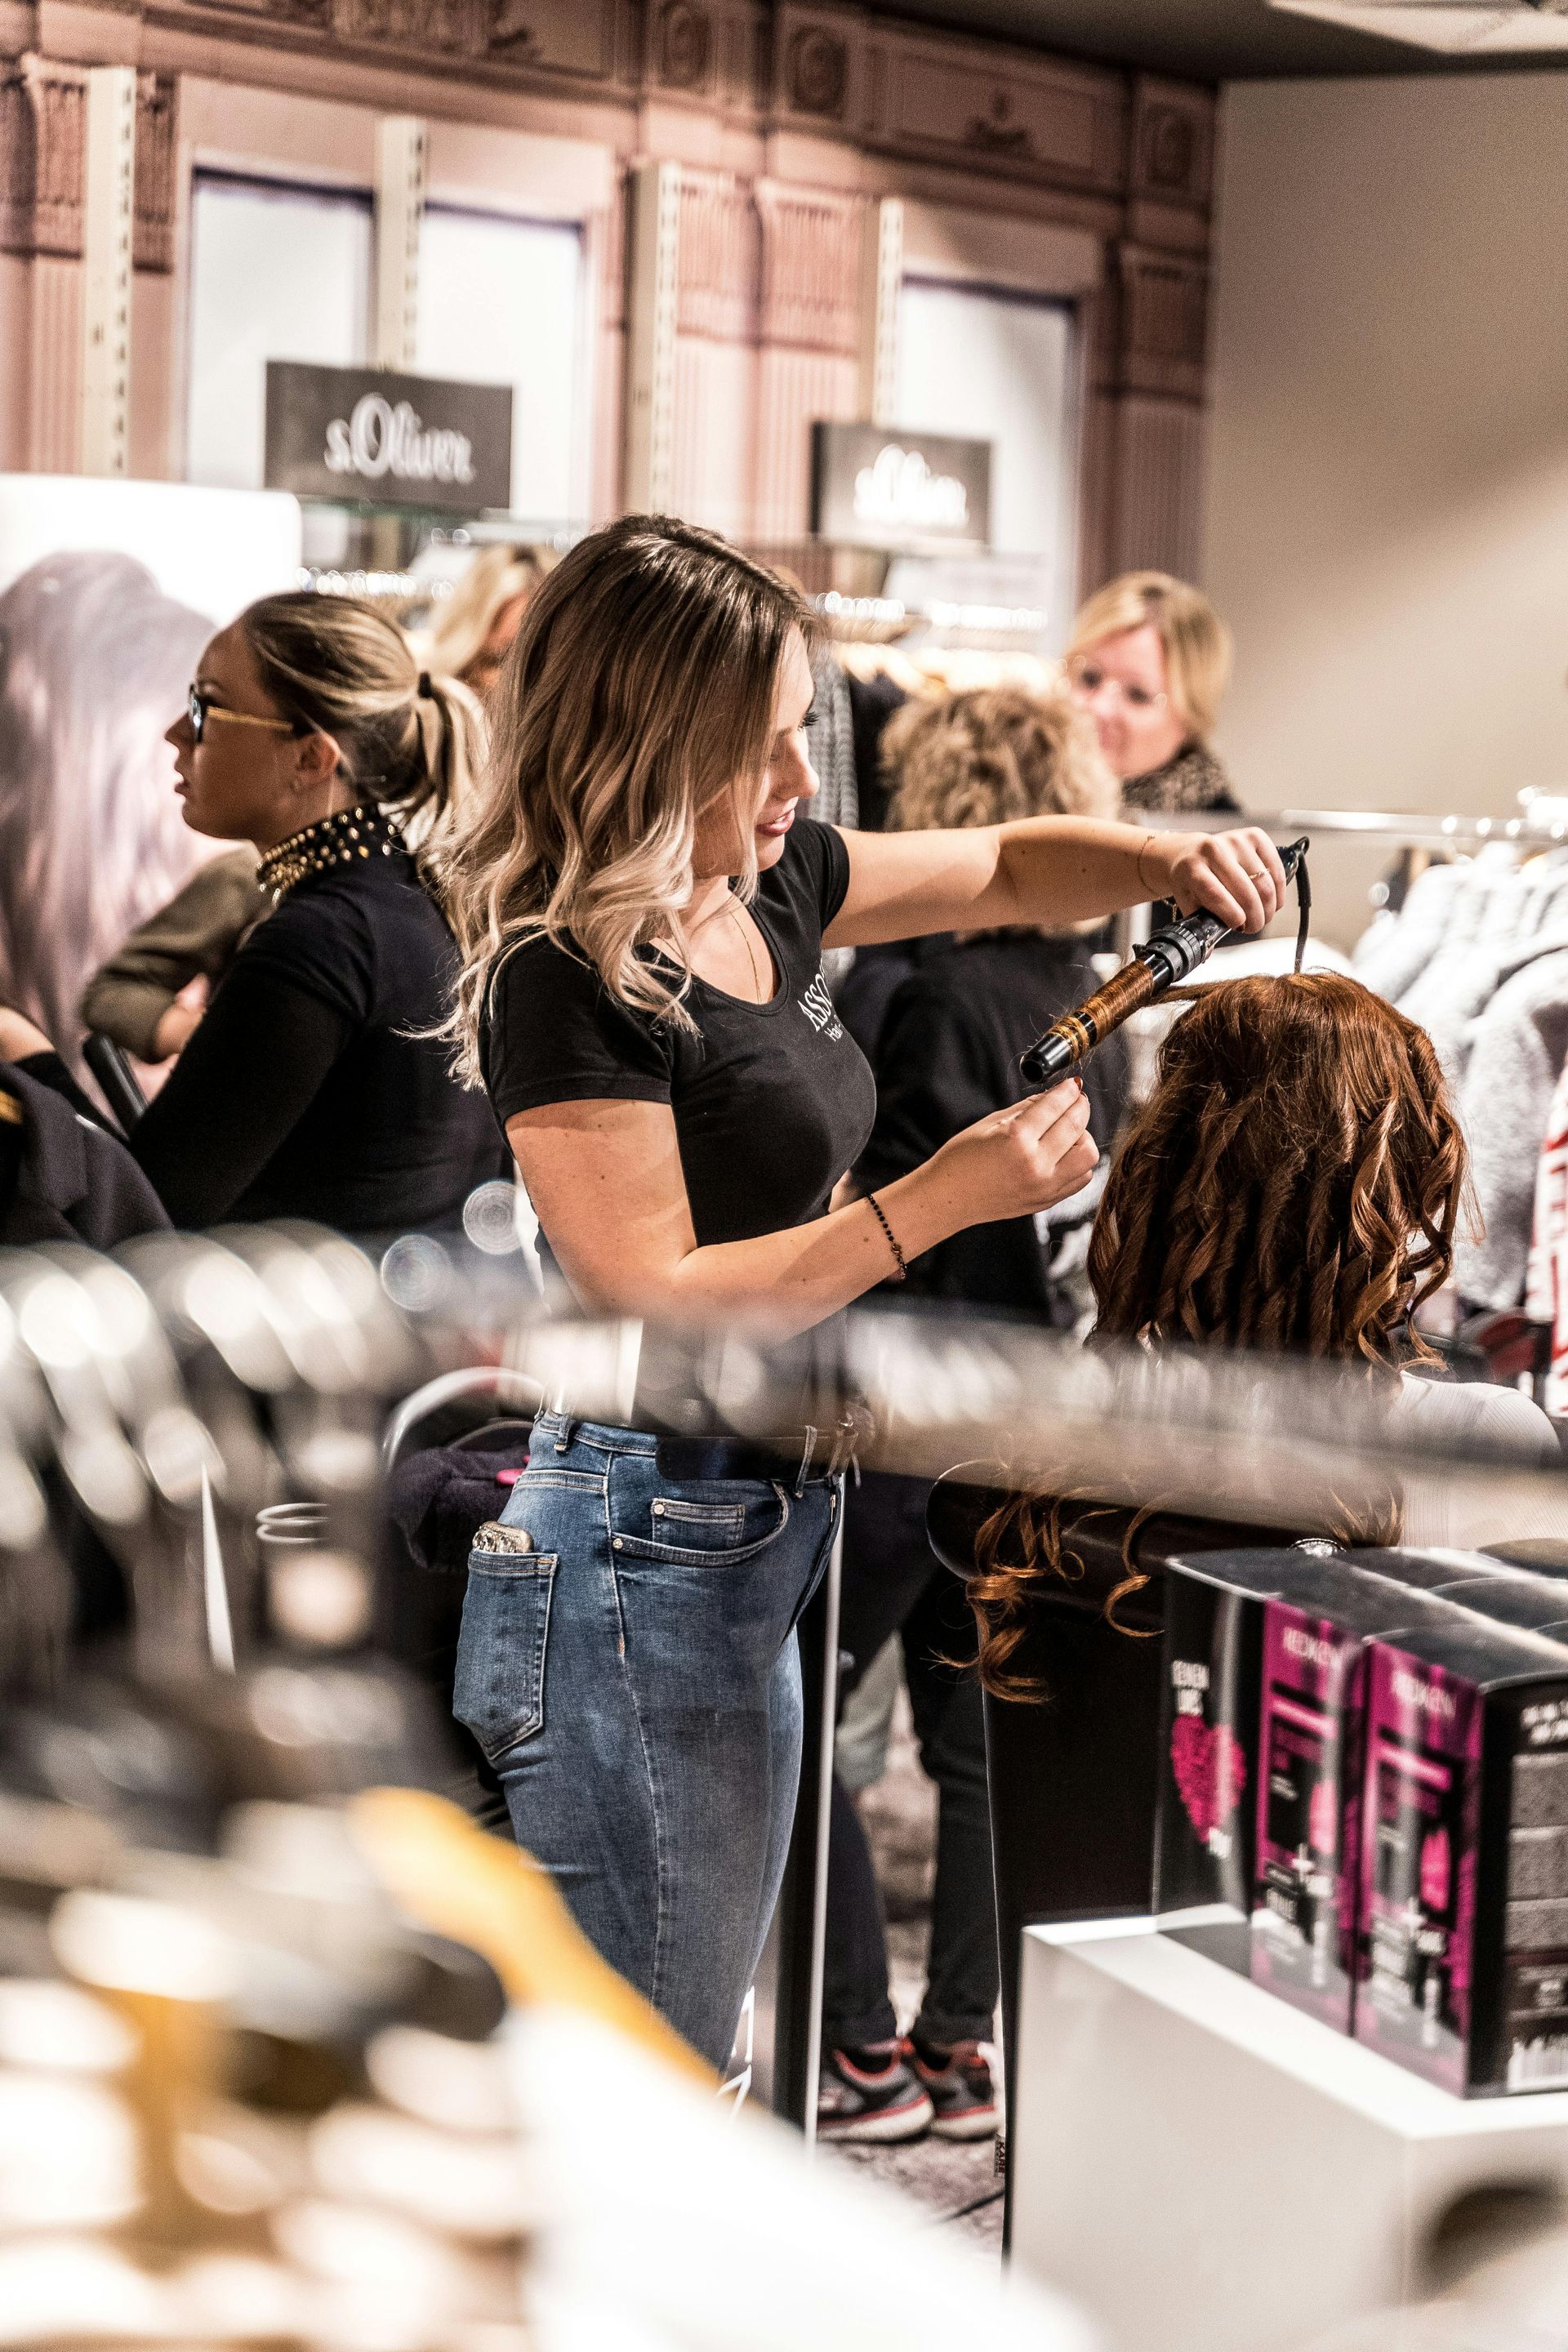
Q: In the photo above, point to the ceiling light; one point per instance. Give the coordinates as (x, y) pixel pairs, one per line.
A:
(1460, 28)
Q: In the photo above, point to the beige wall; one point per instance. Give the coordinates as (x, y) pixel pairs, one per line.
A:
(1386, 519)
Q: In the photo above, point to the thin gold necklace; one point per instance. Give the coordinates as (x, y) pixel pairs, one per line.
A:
(751, 958)
(729, 909)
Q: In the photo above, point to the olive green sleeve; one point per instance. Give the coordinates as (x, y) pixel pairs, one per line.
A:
(197, 932)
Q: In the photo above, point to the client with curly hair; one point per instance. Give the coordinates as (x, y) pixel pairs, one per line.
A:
(1293, 1186)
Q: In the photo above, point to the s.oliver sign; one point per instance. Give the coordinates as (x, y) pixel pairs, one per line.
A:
(878, 486)
(369, 436)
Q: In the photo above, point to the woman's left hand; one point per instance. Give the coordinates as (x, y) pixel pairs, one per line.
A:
(1235, 876)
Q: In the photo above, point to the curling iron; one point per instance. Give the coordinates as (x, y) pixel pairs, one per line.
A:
(1164, 958)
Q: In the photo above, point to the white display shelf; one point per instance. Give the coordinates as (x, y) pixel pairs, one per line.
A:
(1207, 2169)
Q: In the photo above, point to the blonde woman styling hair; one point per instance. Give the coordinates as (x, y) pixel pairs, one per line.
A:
(1149, 659)
(642, 901)
(307, 1090)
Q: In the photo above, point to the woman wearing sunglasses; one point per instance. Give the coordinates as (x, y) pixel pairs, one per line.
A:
(1149, 660)
(309, 1089)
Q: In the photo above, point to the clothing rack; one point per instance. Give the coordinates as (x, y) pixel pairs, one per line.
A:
(1541, 824)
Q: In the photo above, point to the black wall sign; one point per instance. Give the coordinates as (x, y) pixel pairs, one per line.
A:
(366, 436)
(876, 486)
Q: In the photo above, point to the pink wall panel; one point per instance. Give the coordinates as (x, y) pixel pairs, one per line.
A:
(795, 388)
(55, 375)
(715, 433)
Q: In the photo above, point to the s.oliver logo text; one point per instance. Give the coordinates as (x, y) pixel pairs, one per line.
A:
(376, 439)
(899, 491)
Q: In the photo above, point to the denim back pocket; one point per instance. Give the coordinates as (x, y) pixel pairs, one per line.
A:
(721, 1520)
(499, 1687)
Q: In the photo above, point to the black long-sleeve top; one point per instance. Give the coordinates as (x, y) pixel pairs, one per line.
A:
(945, 1052)
(307, 1090)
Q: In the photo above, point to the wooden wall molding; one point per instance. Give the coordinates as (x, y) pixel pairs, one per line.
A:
(929, 97)
(43, 151)
(156, 153)
(1172, 160)
(767, 262)
(811, 268)
(719, 267)
(43, 135)
(548, 45)
(1164, 324)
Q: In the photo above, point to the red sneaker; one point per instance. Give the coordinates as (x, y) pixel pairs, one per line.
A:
(961, 2093)
(871, 2095)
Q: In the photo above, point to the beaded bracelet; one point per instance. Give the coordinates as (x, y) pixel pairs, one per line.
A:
(892, 1238)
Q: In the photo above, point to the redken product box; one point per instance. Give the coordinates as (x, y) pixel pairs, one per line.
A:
(1310, 1741)
(1462, 1949)
(1205, 1814)
(1259, 1806)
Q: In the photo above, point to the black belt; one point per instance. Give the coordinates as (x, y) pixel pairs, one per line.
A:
(721, 1457)
(735, 1457)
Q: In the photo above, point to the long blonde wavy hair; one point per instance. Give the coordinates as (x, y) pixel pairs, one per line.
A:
(640, 691)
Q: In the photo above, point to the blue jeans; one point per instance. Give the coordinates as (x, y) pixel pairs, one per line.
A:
(628, 1664)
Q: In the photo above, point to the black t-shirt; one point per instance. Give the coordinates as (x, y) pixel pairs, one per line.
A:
(772, 1102)
(947, 1054)
(306, 1091)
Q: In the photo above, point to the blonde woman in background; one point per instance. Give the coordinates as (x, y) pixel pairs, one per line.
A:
(1149, 661)
(471, 632)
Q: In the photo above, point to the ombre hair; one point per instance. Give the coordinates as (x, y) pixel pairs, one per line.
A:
(1293, 1186)
(641, 690)
(1196, 643)
(411, 742)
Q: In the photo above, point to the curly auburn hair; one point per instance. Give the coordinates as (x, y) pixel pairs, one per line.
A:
(1293, 1185)
(988, 756)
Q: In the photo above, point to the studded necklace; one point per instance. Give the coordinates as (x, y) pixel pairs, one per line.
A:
(364, 831)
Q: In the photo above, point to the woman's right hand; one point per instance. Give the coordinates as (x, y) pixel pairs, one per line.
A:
(1019, 1160)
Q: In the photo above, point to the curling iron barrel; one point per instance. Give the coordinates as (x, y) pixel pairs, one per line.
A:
(1167, 957)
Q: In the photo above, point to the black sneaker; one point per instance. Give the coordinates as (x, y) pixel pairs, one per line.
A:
(959, 2085)
(870, 2095)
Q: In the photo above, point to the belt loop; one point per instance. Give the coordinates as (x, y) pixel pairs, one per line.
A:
(853, 1431)
(810, 1448)
(564, 1443)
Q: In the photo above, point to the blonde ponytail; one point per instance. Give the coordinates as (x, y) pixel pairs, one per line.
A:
(411, 742)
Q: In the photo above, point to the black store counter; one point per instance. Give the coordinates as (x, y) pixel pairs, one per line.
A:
(1072, 1780)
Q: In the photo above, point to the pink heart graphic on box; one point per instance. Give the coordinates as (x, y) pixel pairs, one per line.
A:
(1211, 1770)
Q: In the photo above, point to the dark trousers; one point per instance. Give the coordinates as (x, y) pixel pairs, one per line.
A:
(892, 1584)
